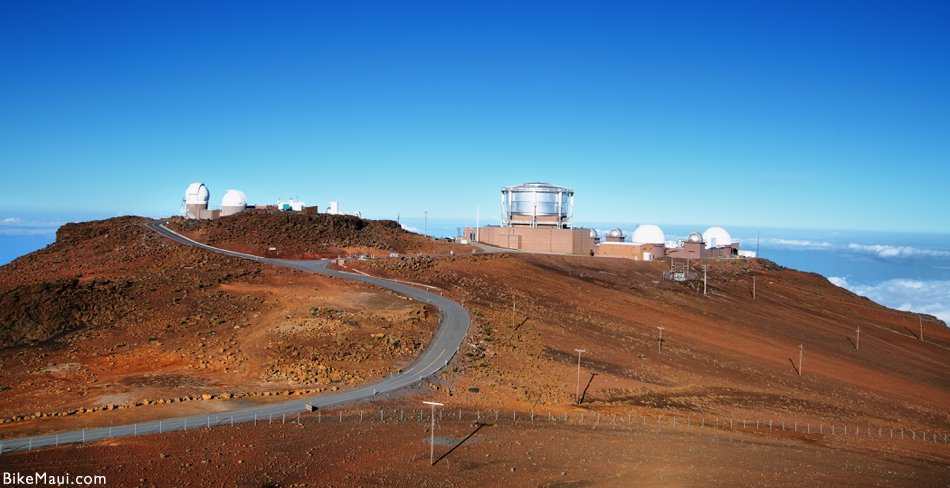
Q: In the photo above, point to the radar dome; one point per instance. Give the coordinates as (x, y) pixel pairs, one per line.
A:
(648, 234)
(694, 237)
(615, 233)
(716, 237)
(197, 194)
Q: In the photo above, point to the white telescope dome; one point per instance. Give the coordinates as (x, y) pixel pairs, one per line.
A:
(234, 198)
(616, 232)
(648, 234)
(716, 237)
(197, 194)
(593, 234)
(695, 237)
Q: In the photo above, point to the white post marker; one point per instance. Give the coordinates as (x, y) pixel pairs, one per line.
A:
(857, 339)
(801, 357)
(432, 431)
(577, 388)
(659, 342)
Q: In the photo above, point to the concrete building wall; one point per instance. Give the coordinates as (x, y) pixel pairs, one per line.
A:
(539, 239)
(629, 250)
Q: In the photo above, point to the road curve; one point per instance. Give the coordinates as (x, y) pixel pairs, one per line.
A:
(445, 343)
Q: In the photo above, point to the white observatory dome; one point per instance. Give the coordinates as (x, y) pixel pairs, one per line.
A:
(648, 234)
(234, 198)
(233, 202)
(615, 233)
(716, 237)
(593, 234)
(694, 237)
(197, 194)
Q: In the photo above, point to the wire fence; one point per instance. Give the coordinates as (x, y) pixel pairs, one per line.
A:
(589, 419)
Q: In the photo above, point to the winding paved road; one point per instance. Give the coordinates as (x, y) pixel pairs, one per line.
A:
(444, 345)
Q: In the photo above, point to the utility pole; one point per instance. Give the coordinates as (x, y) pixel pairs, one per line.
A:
(659, 342)
(753, 287)
(512, 310)
(801, 358)
(577, 388)
(426, 231)
(704, 278)
(857, 339)
(920, 320)
(432, 432)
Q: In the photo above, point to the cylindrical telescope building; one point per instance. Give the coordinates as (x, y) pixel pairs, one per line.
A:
(233, 202)
(536, 205)
(196, 200)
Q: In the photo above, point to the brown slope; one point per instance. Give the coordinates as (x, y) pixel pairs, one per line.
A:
(114, 314)
(724, 353)
(293, 235)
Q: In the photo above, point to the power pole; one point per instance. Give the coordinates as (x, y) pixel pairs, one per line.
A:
(659, 342)
(920, 320)
(426, 231)
(577, 388)
(704, 279)
(857, 339)
(753, 287)
(801, 358)
(432, 432)
(512, 310)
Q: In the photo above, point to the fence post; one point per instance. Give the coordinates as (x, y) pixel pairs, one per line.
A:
(380, 415)
(341, 416)
(283, 419)
(84, 436)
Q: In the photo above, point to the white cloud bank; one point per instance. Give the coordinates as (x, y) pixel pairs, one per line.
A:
(885, 251)
(15, 226)
(410, 228)
(930, 297)
(799, 244)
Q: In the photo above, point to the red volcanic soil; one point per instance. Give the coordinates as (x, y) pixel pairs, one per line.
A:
(725, 355)
(115, 323)
(293, 235)
(521, 452)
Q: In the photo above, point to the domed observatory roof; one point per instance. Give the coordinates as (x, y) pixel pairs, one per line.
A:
(234, 201)
(196, 200)
(594, 234)
(615, 233)
(648, 234)
(694, 237)
(197, 194)
(716, 237)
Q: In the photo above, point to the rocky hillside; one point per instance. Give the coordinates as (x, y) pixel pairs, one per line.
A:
(113, 272)
(295, 235)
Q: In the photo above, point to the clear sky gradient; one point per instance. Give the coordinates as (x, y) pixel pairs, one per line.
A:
(825, 115)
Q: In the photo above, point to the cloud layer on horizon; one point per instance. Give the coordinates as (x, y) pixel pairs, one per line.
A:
(921, 296)
(15, 226)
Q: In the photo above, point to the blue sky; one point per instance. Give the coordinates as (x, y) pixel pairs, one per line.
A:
(826, 115)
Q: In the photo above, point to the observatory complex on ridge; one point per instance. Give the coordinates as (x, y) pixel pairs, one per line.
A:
(539, 217)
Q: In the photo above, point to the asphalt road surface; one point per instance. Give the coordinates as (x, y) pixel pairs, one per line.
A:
(444, 345)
